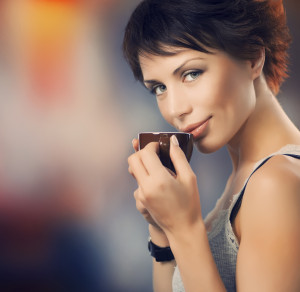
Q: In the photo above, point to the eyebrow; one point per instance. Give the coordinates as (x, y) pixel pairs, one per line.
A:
(152, 81)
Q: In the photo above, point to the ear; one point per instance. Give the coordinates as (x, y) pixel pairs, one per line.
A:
(257, 65)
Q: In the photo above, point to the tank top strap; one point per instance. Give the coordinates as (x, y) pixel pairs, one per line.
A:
(238, 202)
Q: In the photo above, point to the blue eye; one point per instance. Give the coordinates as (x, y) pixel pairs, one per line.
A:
(158, 89)
(192, 75)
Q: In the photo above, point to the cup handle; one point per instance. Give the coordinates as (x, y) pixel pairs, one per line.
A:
(164, 143)
(164, 150)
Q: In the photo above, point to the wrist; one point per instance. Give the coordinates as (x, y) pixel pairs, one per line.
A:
(158, 236)
(187, 236)
(160, 254)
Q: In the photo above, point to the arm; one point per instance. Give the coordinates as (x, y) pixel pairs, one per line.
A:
(174, 205)
(162, 271)
(195, 261)
(269, 254)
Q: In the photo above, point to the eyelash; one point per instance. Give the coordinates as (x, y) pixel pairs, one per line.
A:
(153, 88)
(192, 72)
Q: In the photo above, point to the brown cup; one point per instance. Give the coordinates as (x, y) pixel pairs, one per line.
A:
(185, 142)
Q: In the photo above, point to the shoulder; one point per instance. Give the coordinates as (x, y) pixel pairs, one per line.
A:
(278, 178)
(274, 189)
(270, 225)
(271, 203)
(279, 171)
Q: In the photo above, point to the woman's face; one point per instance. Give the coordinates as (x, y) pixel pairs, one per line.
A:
(208, 95)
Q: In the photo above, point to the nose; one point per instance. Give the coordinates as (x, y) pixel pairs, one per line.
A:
(178, 103)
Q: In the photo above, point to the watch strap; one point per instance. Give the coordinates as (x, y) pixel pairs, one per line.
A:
(161, 254)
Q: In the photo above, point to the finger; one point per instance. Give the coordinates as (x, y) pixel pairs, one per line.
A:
(152, 146)
(136, 194)
(151, 161)
(141, 208)
(137, 168)
(171, 172)
(130, 171)
(139, 205)
(178, 158)
(135, 144)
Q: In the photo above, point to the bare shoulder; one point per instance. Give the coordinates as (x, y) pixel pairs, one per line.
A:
(270, 228)
(279, 165)
(274, 191)
(277, 179)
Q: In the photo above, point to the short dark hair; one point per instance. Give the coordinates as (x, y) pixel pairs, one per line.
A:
(241, 28)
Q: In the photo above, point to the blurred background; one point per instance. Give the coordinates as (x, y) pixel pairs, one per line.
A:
(69, 109)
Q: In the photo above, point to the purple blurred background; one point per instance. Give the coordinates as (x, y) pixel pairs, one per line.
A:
(69, 109)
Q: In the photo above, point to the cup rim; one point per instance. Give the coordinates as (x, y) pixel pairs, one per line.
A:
(165, 132)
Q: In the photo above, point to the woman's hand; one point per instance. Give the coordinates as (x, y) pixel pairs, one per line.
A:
(172, 202)
(142, 209)
(153, 228)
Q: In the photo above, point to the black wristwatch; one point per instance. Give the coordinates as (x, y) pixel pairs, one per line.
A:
(161, 254)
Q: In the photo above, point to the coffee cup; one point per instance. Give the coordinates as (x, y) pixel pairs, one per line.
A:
(185, 141)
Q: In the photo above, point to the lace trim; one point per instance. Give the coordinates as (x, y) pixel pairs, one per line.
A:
(231, 238)
(217, 224)
(289, 149)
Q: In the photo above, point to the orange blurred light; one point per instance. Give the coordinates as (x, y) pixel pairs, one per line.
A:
(48, 31)
(58, 1)
(48, 21)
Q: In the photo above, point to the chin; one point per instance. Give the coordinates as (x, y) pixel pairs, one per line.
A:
(206, 147)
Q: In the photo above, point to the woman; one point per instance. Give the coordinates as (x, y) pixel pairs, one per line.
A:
(215, 68)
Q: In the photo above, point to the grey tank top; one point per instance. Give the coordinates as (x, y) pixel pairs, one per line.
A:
(222, 240)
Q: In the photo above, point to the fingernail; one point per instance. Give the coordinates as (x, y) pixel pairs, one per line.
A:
(174, 140)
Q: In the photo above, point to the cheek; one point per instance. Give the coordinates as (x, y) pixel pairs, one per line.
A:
(237, 105)
(163, 108)
(213, 93)
(233, 91)
(232, 100)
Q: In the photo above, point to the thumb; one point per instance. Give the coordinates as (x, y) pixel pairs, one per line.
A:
(178, 158)
(135, 144)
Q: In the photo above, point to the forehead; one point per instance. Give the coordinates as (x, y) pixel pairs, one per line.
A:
(156, 67)
(152, 63)
(146, 59)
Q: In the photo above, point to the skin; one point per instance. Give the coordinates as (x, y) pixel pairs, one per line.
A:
(211, 92)
(242, 113)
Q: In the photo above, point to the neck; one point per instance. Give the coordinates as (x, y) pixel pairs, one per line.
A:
(267, 129)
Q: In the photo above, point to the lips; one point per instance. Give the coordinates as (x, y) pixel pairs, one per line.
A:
(197, 129)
